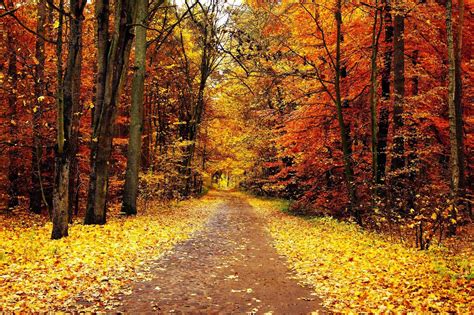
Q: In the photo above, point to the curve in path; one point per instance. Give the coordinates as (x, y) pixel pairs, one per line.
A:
(228, 267)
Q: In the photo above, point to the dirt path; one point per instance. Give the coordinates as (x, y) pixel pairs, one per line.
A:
(229, 267)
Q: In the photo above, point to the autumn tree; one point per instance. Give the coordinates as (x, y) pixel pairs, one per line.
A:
(376, 31)
(36, 197)
(205, 22)
(112, 61)
(168, 26)
(13, 153)
(458, 102)
(398, 150)
(453, 118)
(384, 122)
(67, 129)
(129, 205)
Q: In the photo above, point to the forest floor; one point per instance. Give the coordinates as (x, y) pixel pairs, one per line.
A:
(84, 271)
(355, 270)
(225, 253)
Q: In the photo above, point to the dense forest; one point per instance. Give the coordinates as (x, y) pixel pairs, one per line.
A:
(357, 110)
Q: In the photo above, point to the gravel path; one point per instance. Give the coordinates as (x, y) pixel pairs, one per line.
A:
(228, 267)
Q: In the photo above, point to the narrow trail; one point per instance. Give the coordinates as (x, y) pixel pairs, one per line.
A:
(228, 267)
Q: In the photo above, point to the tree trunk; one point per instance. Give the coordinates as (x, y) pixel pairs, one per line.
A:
(102, 12)
(67, 109)
(397, 167)
(61, 199)
(458, 105)
(36, 152)
(384, 121)
(112, 63)
(373, 92)
(129, 205)
(76, 108)
(61, 179)
(398, 160)
(345, 136)
(454, 148)
(412, 159)
(13, 156)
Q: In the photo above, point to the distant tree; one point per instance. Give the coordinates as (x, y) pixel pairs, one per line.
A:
(209, 32)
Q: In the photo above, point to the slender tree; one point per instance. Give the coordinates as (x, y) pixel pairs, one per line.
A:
(13, 154)
(458, 103)
(206, 23)
(72, 99)
(129, 204)
(36, 190)
(113, 52)
(454, 147)
(376, 30)
(67, 103)
(384, 122)
(397, 165)
(344, 130)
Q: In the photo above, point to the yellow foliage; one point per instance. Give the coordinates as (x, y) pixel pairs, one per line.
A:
(355, 270)
(94, 263)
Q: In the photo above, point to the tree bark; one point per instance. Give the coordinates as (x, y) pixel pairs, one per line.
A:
(454, 148)
(345, 136)
(61, 198)
(129, 205)
(68, 96)
(13, 156)
(398, 151)
(112, 62)
(36, 152)
(384, 121)
(61, 172)
(458, 105)
(412, 158)
(75, 99)
(373, 92)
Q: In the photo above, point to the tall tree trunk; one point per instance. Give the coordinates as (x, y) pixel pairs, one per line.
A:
(112, 63)
(129, 205)
(373, 91)
(13, 156)
(398, 146)
(36, 152)
(75, 99)
(412, 159)
(345, 136)
(384, 121)
(102, 12)
(61, 172)
(458, 104)
(68, 106)
(398, 161)
(454, 148)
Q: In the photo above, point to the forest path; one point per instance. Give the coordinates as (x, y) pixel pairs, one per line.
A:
(228, 267)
